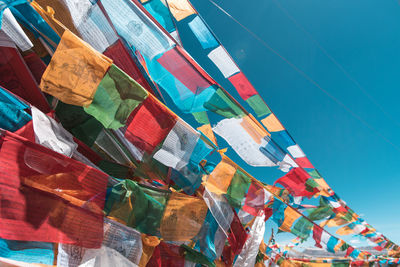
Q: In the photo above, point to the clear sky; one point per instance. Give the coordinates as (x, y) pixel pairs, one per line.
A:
(360, 163)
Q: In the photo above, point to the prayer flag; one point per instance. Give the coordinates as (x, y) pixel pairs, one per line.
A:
(129, 204)
(223, 61)
(203, 34)
(15, 77)
(12, 112)
(149, 124)
(291, 215)
(178, 146)
(75, 71)
(220, 178)
(242, 85)
(238, 188)
(180, 9)
(49, 197)
(245, 139)
(136, 28)
(247, 256)
(116, 97)
(183, 217)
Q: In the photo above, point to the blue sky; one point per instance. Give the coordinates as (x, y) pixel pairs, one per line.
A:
(361, 163)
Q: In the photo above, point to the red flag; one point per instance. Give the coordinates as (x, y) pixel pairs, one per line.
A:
(304, 163)
(123, 60)
(237, 236)
(149, 124)
(242, 85)
(295, 182)
(166, 255)
(47, 197)
(15, 76)
(317, 232)
(349, 251)
(35, 65)
(378, 248)
(176, 64)
(255, 199)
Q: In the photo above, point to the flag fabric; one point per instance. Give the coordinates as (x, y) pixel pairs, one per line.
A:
(136, 28)
(12, 112)
(238, 188)
(183, 217)
(159, 10)
(180, 9)
(220, 178)
(50, 197)
(247, 256)
(242, 85)
(202, 33)
(116, 97)
(130, 205)
(188, 88)
(149, 124)
(223, 61)
(178, 146)
(51, 134)
(256, 197)
(13, 30)
(126, 241)
(220, 209)
(27, 251)
(16, 77)
(295, 181)
(75, 71)
(290, 216)
(245, 143)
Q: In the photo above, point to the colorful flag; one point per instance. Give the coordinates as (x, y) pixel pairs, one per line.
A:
(51, 198)
(149, 124)
(183, 217)
(116, 97)
(75, 71)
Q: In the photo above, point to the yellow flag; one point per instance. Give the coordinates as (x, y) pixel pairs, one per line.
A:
(206, 129)
(183, 217)
(180, 9)
(220, 178)
(148, 243)
(272, 123)
(75, 71)
(345, 231)
(290, 216)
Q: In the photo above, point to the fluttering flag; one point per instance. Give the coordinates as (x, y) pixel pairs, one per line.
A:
(129, 204)
(183, 217)
(16, 77)
(180, 9)
(247, 256)
(241, 136)
(116, 97)
(149, 124)
(13, 112)
(295, 181)
(75, 71)
(117, 238)
(51, 197)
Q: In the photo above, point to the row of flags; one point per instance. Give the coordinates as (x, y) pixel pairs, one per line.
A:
(96, 170)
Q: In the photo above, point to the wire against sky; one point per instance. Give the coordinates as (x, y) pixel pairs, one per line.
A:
(308, 78)
(335, 62)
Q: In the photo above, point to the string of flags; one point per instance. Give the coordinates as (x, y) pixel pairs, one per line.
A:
(97, 169)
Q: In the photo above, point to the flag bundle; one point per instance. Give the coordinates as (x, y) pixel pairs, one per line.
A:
(98, 169)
